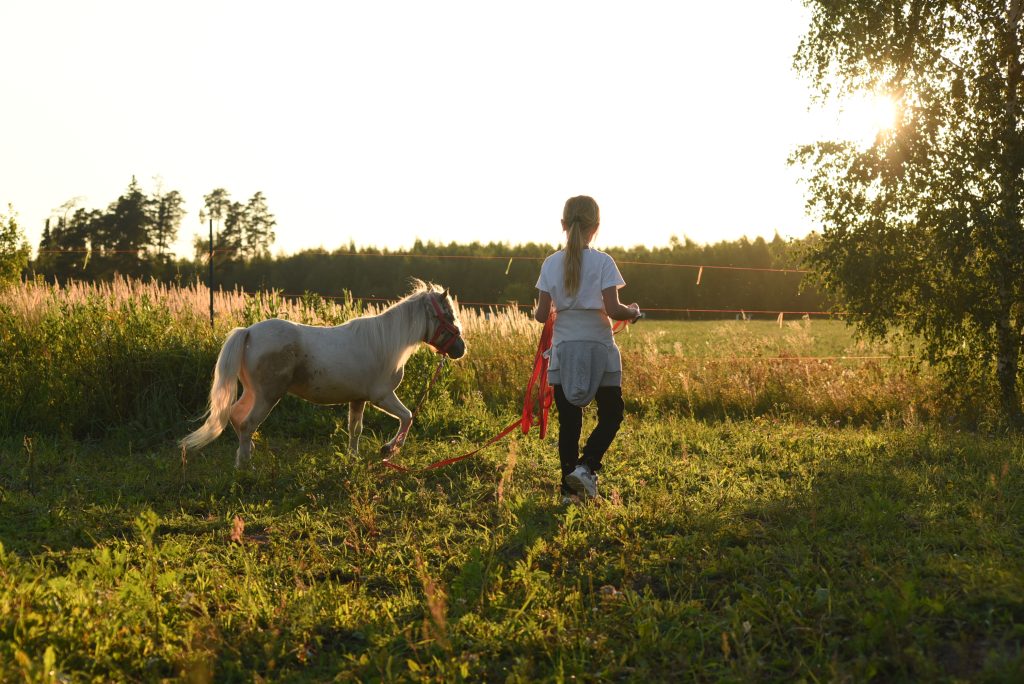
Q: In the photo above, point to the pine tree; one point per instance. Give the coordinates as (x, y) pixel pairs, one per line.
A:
(14, 249)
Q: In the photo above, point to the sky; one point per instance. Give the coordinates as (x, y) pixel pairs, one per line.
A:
(384, 122)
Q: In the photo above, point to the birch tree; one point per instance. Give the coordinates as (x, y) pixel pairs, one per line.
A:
(922, 230)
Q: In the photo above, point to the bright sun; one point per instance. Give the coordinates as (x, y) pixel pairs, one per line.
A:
(864, 117)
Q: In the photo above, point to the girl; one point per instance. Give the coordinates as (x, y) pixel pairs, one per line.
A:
(580, 287)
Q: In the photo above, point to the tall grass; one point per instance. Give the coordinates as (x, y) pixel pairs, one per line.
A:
(748, 369)
(87, 359)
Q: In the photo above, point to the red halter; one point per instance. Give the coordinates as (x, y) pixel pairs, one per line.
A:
(443, 326)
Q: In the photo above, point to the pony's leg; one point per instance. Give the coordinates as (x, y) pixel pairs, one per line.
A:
(391, 404)
(241, 409)
(261, 407)
(239, 412)
(355, 425)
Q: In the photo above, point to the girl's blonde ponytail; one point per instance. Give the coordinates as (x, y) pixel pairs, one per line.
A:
(579, 218)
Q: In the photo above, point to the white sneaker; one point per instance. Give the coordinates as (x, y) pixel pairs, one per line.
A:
(583, 482)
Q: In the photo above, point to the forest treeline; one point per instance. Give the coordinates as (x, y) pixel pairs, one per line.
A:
(133, 235)
(132, 238)
(668, 278)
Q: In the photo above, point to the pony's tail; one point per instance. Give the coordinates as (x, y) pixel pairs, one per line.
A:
(223, 391)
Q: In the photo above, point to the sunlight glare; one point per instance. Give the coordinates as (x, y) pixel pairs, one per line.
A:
(865, 117)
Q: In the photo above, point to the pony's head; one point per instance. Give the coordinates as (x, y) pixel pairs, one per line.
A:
(444, 330)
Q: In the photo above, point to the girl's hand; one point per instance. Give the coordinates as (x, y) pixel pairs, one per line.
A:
(635, 308)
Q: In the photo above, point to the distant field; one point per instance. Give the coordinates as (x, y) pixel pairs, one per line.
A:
(753, 339)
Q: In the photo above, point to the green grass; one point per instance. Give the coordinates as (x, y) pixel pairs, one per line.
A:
(760, 339)
(766, 517)
(758, 550)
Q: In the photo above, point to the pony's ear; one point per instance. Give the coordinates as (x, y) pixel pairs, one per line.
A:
(447, 293)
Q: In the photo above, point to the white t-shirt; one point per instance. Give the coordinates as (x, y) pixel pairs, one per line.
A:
(582, 317)
(597, 273)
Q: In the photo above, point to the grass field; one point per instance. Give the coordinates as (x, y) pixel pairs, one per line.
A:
(750, 551)
(752, 340)
(764, 516)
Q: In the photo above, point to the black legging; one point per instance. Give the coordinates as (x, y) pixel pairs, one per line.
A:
(570, 425)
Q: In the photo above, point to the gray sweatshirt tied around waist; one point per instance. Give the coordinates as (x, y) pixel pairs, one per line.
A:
(582, 366)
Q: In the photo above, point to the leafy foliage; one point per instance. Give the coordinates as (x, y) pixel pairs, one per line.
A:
(245, 231)
(14, 249)
(923, 229)
(133, 236)
(170, 210)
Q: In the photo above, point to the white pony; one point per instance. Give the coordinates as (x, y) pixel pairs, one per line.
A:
(360, 361)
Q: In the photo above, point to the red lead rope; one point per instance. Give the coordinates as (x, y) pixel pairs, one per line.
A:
(537, 399)
(539, 380)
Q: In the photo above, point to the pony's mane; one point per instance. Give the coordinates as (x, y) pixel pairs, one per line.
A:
(400, 325)
(419, 288)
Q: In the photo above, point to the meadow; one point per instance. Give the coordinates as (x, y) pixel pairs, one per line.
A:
(765, 515)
